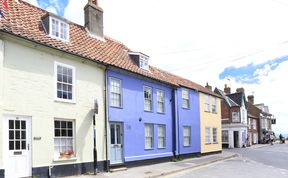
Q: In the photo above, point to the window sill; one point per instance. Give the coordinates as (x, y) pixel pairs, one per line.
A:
(147, 149)
(64, 159)
(185, 108)
(64, 101)
(163, 113)
(207, 111)
(161, 148)
(148, 111)
(186, 145)
(215, 143)
(214, 112)
(117, 107)
(207, 143)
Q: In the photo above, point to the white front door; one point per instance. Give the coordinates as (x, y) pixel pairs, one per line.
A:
(116, 151)
(17, 146)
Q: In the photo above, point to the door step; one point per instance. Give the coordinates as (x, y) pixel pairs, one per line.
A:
(118, 169)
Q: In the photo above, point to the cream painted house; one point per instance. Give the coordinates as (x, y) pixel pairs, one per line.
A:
(38, 125)
(210, 123)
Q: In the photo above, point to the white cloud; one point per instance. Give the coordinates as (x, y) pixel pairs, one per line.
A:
(51, 9)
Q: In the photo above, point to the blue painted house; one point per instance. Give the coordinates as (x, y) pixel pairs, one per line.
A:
(140, 115)
(149, 117)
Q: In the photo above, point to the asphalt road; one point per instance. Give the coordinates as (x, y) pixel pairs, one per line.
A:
(264, 162)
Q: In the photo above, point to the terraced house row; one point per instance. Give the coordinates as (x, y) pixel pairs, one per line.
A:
(57, 77)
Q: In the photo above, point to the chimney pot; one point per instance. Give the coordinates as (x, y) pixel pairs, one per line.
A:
(238, 90)
(227, 89)
(251, 99)
(208, 86)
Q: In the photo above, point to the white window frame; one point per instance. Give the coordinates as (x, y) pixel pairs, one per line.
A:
(207, 135)
(59, 29)
(185, 98)
(215, 135)
(214, 104)
(160, 101)
(149, 136)
(150, 100)
(161, 136)
(64, 155)
(73, 100)
(207, 103)
(119, 93)
(143, 62)
(186, 135)
(234, 118)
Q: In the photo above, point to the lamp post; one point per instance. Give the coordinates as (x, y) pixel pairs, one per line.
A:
(94, 135)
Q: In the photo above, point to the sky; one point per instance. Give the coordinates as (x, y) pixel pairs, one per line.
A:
(242, 43)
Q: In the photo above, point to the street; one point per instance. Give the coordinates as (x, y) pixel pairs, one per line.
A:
(268, 161)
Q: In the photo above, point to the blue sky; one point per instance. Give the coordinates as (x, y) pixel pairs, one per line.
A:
(250, 73)
(59, 5)
(201, 38)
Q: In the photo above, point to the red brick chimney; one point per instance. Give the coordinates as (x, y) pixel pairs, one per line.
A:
(227, 90)
(251, 99)
(208, 86)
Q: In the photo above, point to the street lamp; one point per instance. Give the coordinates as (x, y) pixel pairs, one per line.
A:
(94, 134)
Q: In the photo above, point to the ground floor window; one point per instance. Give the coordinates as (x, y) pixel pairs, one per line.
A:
(149, 136)
(63, 138)
(224, 136)
(215, 137)
(187, 135)
(207, 135)
(161, 136)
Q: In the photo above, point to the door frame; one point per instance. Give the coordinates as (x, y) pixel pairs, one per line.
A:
(5, 137)
(121, 139)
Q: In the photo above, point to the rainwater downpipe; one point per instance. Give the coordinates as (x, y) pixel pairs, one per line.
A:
(106, 119)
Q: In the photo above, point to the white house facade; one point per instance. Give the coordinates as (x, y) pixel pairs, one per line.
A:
(46, 107)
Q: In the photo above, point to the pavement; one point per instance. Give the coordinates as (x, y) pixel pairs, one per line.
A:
(163, 169)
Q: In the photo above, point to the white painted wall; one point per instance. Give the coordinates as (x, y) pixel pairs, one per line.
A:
(29, 90)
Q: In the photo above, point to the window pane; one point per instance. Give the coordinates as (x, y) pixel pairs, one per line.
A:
(17, 124)
(23, 134)
(11, 124)
(11, 145)
(18, 145)
(23, 124)
(11, 134)
(17, 134)
(57, 124)
(23, 145)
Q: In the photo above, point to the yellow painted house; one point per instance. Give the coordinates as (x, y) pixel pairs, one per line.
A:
(210, 122)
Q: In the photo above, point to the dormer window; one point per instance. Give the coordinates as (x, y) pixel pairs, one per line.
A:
(59, 29)
(144, 62)
(140, 59)
(56, 27)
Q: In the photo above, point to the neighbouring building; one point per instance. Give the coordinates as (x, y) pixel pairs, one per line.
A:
(234, 117)
(210, 119)
(266, 121)
(253, 121)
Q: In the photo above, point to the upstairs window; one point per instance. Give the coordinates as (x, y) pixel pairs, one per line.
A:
(148, 99)
(185, 98)
(160, 101)
(235, 117)
(59, 29)
(115, 92)
(143, 62)
(214, 106)
(65, 82)
(207, 103)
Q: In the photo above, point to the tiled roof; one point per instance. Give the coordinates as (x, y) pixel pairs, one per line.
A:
(237, 97)
(24, 20)
(228, 100)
